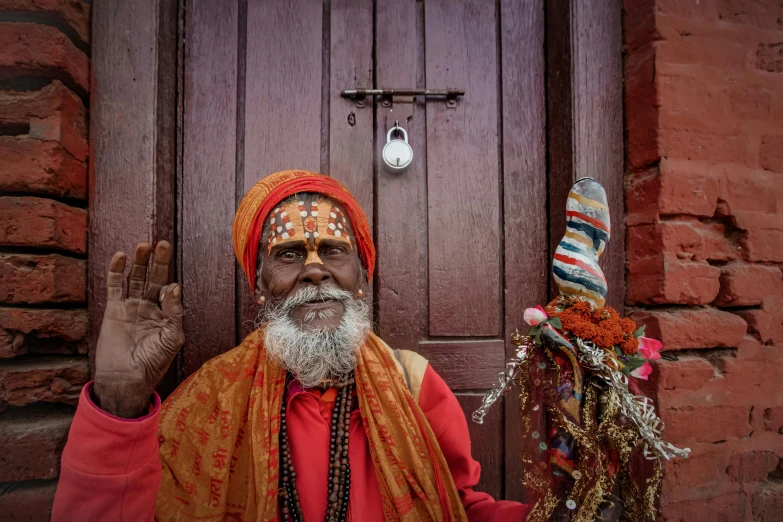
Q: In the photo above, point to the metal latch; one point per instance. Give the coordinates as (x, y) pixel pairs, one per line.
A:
(450, 95)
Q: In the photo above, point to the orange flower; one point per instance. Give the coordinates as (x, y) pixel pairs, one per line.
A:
(628, 325)
(630, 346)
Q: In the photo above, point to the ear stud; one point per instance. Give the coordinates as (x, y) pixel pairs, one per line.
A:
(361, 292)
(261, 300)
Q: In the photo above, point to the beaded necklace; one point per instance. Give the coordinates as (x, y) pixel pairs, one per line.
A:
(339, 467)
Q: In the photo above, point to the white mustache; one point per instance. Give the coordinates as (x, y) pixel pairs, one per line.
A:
(313, 294)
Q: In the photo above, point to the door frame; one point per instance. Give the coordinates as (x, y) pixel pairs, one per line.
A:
(573, 130)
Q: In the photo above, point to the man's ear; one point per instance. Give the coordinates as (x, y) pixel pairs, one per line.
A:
(259, 295)
(364, 286)
(260, 292)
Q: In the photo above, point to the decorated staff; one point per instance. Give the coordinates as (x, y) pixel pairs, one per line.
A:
(586, 436)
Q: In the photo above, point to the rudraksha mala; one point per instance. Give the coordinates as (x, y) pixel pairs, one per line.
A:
(339, 467)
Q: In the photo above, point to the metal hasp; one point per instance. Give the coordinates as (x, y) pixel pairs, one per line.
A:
(450, 95)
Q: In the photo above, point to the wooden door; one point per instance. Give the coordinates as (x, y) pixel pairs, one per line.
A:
(463, 236)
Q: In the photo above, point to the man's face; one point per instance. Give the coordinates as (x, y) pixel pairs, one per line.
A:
(309, 242)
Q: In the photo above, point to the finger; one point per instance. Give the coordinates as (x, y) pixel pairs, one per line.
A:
(159, 272)
(138, 272)
(171, 301)
(114, 279)
(172, 334)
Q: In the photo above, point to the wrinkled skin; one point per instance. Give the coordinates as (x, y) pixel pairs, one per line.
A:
(142, 331)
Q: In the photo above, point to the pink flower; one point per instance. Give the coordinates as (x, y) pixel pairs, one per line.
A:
(534, 316)
(642, 371)
(650, 349)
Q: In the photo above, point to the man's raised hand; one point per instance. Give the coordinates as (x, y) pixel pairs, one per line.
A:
(141, 332)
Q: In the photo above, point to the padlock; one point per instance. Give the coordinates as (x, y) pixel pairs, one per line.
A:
(397, 153)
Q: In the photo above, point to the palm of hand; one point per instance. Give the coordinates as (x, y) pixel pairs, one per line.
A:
(140, 334)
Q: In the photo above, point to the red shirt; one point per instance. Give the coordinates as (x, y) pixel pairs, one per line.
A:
(111, 471)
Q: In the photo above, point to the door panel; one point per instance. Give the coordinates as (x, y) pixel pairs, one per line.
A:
(442, 273)
(463, 236)
(463, 170)
(207, 192)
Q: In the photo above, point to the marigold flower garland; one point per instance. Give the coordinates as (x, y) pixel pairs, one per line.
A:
(575, 349)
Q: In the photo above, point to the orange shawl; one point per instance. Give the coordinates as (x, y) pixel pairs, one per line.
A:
(219, 440)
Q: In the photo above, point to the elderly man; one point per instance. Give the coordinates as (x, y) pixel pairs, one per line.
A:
(311, 418)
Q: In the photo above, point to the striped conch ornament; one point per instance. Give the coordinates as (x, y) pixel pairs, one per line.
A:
(575, 266)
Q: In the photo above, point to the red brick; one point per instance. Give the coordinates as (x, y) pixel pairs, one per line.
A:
(43, 379)
(725, 51)
(53, 114)
(41, 167)
(699, 327)
(747, 285)
(32, 330)
(638, 23)
(697, 144)
(28, 502)
(38, 222)
(687, 373)
(769, 57)
(706, 424)
(31, 444)
(771, 152)
(642, 191)
(744, 220)
(766, 323)
(644, 250)
(754, 466)
(75, 13)
(750, 103)
(704, 9)
(641, 108)
(764, 246)
(687, 188)
(696, 240)
(693, 99)
(768, 502)
(742, 189)
(726, 508)
(42, 279)
(35, 49)
(756, 13)
(695, 474)
(772, 419)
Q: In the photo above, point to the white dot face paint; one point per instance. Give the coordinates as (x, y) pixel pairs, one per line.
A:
(311, 223)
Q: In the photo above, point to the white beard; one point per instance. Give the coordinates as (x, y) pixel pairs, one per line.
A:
(314, 355)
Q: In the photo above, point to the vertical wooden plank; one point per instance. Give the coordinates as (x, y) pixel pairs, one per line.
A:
(463, 170)
(401, 212)
(282, 110)
(208, 188)
(486, 440)
(283, 87)
(598, 121)
(560, 108)
(351, 128)
(524, 191)
(124, 133)
(167, 156)
(584, 45)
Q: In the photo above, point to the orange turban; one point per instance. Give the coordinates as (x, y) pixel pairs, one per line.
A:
(261, 199)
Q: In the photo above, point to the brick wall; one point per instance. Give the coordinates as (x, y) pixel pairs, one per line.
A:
(44, 85)
(704, 199)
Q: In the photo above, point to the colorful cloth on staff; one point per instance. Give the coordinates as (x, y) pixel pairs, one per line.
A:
(575, 266)
(264, 195)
